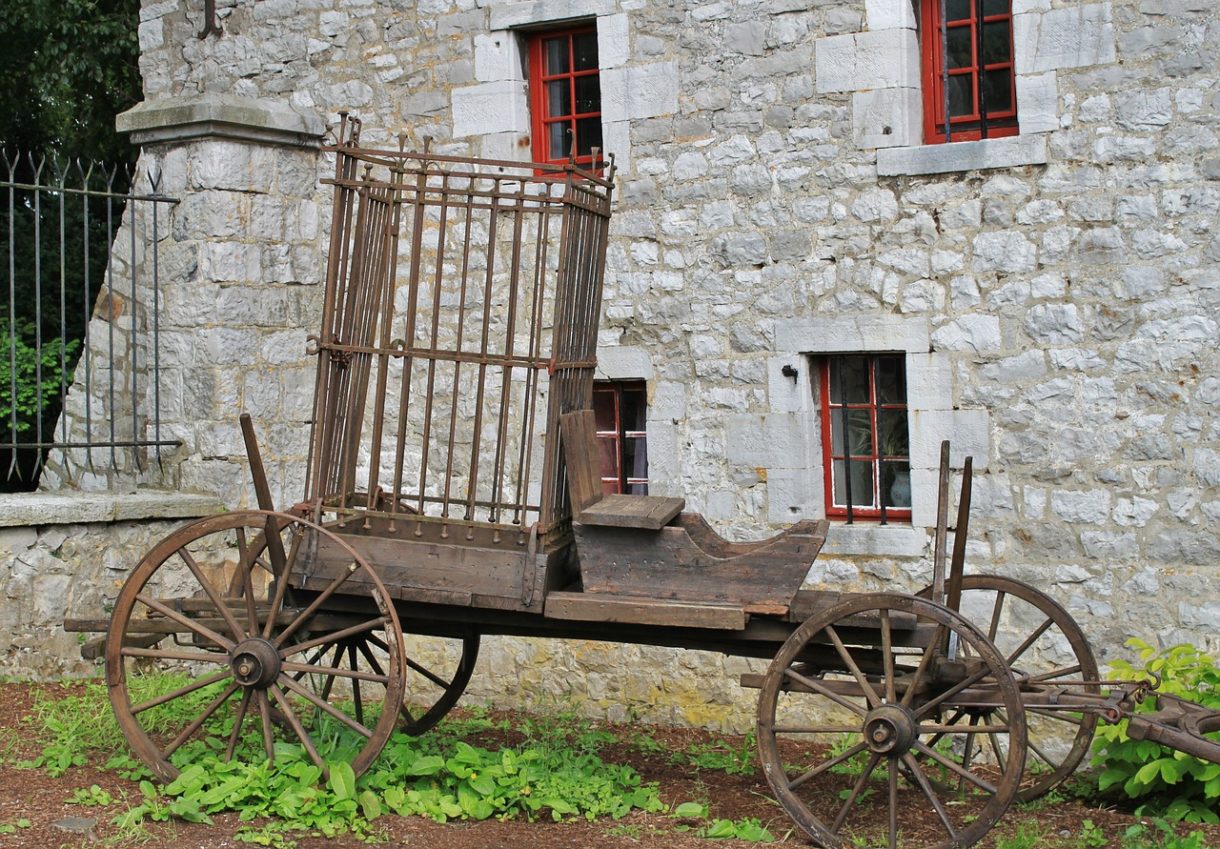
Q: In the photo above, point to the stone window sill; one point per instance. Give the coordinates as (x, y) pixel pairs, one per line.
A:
(863, 540)
(36, 509)
(1010, 152)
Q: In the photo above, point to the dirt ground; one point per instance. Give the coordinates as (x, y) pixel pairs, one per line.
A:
(31, 795)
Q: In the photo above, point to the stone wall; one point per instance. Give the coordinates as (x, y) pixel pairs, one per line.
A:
(1055, 294)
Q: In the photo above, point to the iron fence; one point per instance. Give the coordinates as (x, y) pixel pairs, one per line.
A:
(79, 320)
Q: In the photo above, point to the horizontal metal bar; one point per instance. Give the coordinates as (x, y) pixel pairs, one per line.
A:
(97, 193)
(129, 443)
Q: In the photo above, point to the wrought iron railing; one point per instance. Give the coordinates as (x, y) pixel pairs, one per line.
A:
(79, 321)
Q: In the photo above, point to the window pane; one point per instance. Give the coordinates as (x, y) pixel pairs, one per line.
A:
(892, 433)
(584, 50)
(607, 456)
(961, 95)
(996, 7)
(896, 484)
(635, 457)
(891, 381)
(852, 372)
(860, 428)
(961, 53)
(634, 412)
(558, 99)
(638, 488)
(588, 135)
(998, 89)
(956, 10)
(588, 94)
(556, 52)
(603, 410)
(557, 133)
(997, 42)
(861, 483)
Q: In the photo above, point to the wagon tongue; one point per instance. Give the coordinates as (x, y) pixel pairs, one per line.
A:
(1178, 724)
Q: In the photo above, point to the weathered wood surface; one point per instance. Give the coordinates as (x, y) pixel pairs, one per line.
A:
(589, 505)
(589, 607)
(668, 564)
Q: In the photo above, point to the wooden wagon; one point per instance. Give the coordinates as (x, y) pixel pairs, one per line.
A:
(453, 492)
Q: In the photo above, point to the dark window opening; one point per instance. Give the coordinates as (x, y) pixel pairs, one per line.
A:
(620, 410)
(566, 97)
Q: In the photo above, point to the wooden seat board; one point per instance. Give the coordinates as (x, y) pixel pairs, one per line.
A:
(633, 511)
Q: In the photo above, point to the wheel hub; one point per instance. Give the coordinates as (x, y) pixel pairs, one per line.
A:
(890, 730)
(255, 663)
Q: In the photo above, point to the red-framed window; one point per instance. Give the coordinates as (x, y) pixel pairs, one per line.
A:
(620, 409)
(565, 95)
(865, 442)
(968, 66)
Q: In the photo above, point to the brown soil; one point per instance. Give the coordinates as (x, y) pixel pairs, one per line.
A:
(32, 795)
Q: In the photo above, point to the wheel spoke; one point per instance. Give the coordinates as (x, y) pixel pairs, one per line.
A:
(891, 780)
(870, 695)
(357, 701)
(355, 674)
(817, 729)
(1057, 715)
(181, 691)
(337, 636)
(314, 605)
(873, 760)
(171, 654)
(276, 544)
(955, 767)
(186, 622)
(210, 591)
(887, 657)
(1054, 674)
(1034, 748)
(264, 712)
(370, 657)
(951, 692)
(830, 764)
(246, 568)
(922, 782)
(1030, 640)
(821, 689)
(198, 721)
(237, 723)
(429, 674)
(942, 730)
(994, 628)
(325, 706)
(968, 755)
(924, 663)
(297, 728)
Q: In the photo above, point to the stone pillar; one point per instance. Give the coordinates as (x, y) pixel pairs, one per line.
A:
(241, 260)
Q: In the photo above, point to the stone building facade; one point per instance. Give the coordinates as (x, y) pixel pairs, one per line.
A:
(1054, 294)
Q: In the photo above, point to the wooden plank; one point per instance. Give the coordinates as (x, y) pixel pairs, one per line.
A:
(591, 607)
(650, 512)
(579, 432)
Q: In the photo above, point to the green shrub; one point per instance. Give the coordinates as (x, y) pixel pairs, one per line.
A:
(1176, 785)
(19, 368)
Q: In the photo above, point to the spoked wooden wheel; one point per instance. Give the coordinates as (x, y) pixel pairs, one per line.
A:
(208, 644)
(851, 729)
(1045, 648)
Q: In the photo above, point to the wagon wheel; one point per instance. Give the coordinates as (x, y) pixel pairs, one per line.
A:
(851, 733)
(232, 670)
(1043, 645)
(437, 668)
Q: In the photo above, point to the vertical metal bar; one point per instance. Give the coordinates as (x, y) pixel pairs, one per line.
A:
(844, 417)
(875, 414)
(457, 346)
(514, 279)
(944, 67)
(87, 310)
(477, 440)
(155, 185)
(13, 469)
(38, 306)
(980, 66)
(529, 395)
(111, 317)
(437, 285)
(132, 221)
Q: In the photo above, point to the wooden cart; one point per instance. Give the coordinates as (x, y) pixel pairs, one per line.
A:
(453, 491)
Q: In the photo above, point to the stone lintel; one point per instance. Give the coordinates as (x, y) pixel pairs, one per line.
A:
(220, 116)
(36, 509)
(1010, 152)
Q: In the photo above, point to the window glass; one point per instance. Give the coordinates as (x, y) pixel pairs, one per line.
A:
(620, 410)
(565, 89)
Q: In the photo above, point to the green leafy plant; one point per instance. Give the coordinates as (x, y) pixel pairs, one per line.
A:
(1175, 785)
(23, 366)
(1091, 836)
(1027, 836)
(92, 796)
(1161, 836)
(721, 755)
(10, 827)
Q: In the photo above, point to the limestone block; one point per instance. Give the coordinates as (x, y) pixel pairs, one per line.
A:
(616, 136)
(639, 91)
(229, 262)
(1090, 507)
(767, 441)
(968, 432)
(889, 14)
(849, 333)
(870, 540)
(868, 60)
(1144, 110)
(792, 495)
(1006, 250)
(151, 34)
(493, 107)
(511, 146)
(510, 15)
(1010, 152)
(231, 165)
(623, 363)
(1207, 467)
(749, 38)
(613, 41)
(1038, 102)
(979, 334)
(1054, 324)
(497, 57)
(1069, 37)
(929, 381)
(887, 117)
